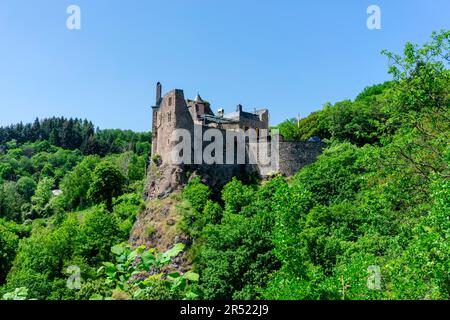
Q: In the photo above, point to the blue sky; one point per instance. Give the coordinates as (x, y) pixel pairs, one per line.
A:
(291, 56)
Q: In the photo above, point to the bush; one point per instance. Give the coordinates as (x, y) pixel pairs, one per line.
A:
(236, 195)
(235, 256)
(26, 187)
(99, 232)
(140, 274)
(197, 194)
(82, 239)
(10, 233)
(43, 192)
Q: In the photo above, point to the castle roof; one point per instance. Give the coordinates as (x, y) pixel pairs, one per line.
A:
(216, 119)
(198, 98)
(243, 114)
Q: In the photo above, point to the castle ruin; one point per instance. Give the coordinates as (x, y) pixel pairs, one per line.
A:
(172, 112)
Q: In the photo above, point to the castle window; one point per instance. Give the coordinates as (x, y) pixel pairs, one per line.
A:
(170, 101)
(169, 117)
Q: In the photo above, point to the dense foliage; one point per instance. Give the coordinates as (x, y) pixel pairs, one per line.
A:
(61, 208)
(141, 274)
(368, 220)
(74, 134)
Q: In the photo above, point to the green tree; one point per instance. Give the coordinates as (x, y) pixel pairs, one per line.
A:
(107, 182)
(99, 232)
(236, 255)
(43, 192)
(236, 195)
(197, 194)
(6, 171)
(9, 242)
(76, 183)
(26, 187)
(10, 201)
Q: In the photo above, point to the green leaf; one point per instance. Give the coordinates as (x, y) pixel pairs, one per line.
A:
(190, 296)
(192, 276)
(175, 250)
(110, 269)
(169, 254)
(96, 296)
(132, 256)
(139, 293)
(17, 294)
(118, 250)
(148, 260)
(141, 248)
(174, 275)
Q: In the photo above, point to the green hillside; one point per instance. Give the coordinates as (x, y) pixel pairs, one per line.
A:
(370, 219)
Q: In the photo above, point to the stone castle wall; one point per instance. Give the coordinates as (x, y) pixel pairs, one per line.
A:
(294, 155)
(172, 113)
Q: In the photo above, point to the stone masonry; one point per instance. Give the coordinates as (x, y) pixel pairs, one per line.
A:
(172, 111)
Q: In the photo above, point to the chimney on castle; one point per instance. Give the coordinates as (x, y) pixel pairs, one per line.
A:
(158, 92)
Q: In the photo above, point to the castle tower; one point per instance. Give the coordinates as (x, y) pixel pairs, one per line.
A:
(158, 92)
(169, 114)
(155, 124)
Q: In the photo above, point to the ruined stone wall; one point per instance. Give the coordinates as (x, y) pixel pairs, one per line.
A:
(290, 156)
(247, 122)
(294, 155)
(172, 114)
(166, 176)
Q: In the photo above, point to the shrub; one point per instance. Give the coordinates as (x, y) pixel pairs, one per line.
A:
(197, 194)
(138, 274)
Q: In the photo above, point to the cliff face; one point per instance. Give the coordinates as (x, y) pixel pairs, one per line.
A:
(164, 179)
(158, 226)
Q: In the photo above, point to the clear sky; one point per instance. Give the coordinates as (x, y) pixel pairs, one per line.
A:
(291, 56)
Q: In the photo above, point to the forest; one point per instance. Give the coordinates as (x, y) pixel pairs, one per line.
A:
(369, 220)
